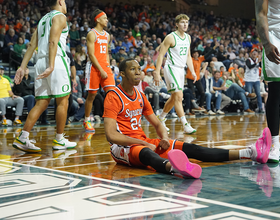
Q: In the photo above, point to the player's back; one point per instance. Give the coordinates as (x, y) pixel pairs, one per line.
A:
(177, 55)
(100, 47)
(44, 28)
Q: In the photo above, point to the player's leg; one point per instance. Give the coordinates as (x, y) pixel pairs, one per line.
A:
(22, 142)
(272, 115)
(60, 142)
(258, 151)
(93, 80)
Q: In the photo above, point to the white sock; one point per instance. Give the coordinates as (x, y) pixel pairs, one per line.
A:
(173, 170)
(59, 136)
(183, 120)
(17, 117)
(162, 115)
(23, 134)
(275, 141)
(4, 117)
(87, 118)
(245, 153)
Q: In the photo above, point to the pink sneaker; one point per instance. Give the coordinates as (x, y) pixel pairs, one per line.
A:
(260, 150)
(180, 162)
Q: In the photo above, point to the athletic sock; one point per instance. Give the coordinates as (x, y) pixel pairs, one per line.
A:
(59, 137)
(17, 117)
(24, 135)
(162, 115)
(87, 118)
(245, 153)
(183, 120)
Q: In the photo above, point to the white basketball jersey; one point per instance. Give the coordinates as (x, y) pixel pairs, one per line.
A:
(273, 16)
(177, 55)
(44, 28)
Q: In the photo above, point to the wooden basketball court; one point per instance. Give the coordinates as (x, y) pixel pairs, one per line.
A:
(86, 183)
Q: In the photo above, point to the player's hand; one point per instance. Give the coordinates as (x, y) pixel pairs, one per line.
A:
(156, 77)
(19, 75)
(80, 101)
(272, 53)
(164, 144)
(75, 84)
(195, 77)
(151, 146)
(103, 74)
(46, 73)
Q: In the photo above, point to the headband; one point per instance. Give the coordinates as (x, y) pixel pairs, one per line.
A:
(99, 15)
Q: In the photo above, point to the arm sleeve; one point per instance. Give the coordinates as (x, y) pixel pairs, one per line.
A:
(112, 105)
(250, 66)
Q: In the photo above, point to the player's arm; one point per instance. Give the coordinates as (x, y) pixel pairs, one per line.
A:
(190, 63)
(261, 9)
(113, 136)
(91, 49)
(108, 57)
(27, 56)
(168, 42)
(58, 24)
(160, 129)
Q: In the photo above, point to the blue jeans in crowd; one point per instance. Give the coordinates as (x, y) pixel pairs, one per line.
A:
(257, 88)
(212, 96)
(235, 92)
(162, 100)
(29, 102)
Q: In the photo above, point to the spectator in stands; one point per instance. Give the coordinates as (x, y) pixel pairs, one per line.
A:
(210, 94)
(78, 101)
(150, 65)
(3, 23)
(151, 50)
(84, 44)
(116, 71)
(234, 92)
(143, 23)
(123, 26)
(18, 47)
(8, 98)
(126, 44)
(231, 54)
(84, 30)
(251, 77)
(236, 46)
(248, 43)
(223, 57)
(132, 53)
(138, 40)
(197, 60)
(121, 54)
(9, 42)
(78, 64)
(26, 90)
(74, 36)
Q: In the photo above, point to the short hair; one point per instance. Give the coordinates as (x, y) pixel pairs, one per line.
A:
(93, 15)
(123, 64)
(51, 3)
(216, 71)
(179, 17)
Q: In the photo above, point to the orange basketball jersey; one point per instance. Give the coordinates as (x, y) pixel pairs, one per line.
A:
(127, 111)
(100, 47)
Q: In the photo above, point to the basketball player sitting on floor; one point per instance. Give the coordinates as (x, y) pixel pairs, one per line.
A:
(123, 108)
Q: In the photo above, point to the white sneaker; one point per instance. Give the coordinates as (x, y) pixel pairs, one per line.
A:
(210, 112)
(174, 115)
(220, 112)
(25, 145)
(164, 95)
(273, 156)
(63, 144)
(163, 123)
(188, 129)
(97, 118)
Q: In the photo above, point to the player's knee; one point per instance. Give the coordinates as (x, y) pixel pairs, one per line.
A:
(177, 96)
(91, 96)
